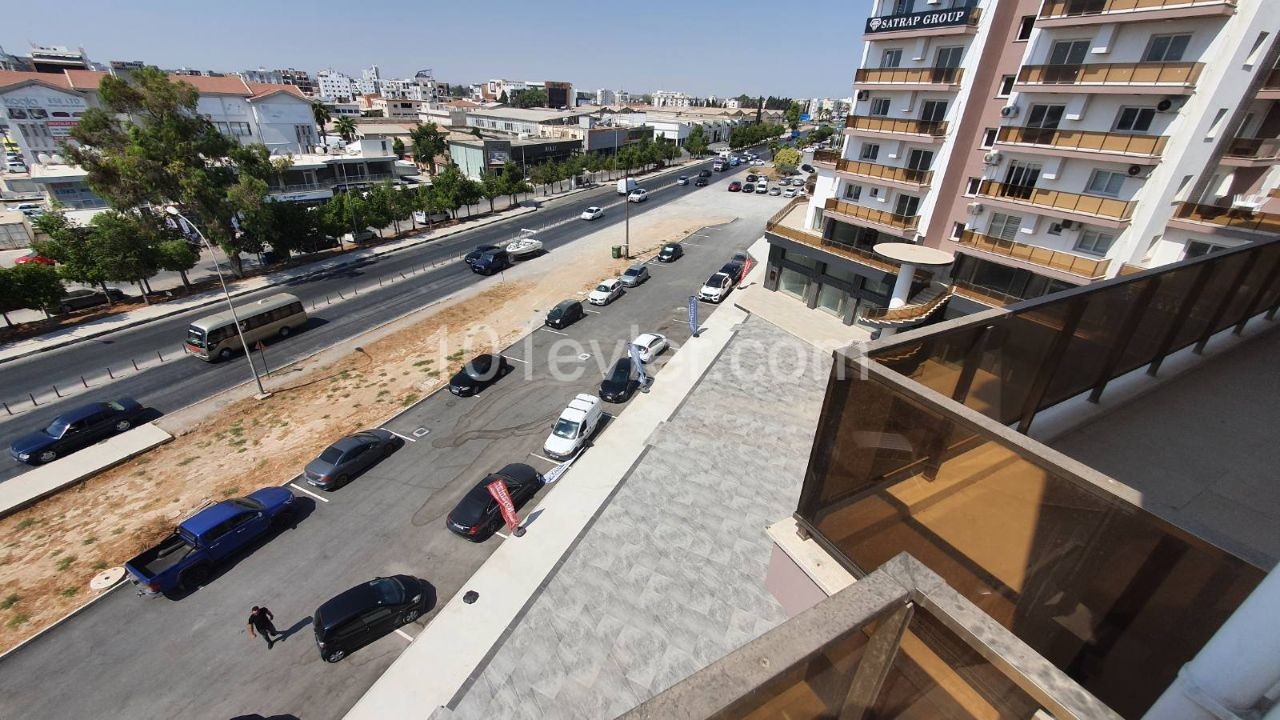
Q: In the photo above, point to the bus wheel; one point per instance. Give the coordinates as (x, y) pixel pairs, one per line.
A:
(225, 354)
(284, 331)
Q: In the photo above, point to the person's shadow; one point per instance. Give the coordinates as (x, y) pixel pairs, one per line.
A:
(286, 634)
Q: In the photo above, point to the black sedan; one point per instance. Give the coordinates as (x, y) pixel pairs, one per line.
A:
(670, 252)
(476, 517)
(366, 612)
(349, 457)
(700, 182)
(564, 314)
(621, 382)
(480, 373)
(474, 255)
(76, 429)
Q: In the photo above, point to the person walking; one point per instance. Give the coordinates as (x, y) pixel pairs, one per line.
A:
(260, 622)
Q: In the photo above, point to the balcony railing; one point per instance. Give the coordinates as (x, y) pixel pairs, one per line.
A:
(1254, 148)
(1273, 80)
(777, 226)
(1229, 217)
(1173, 74)
(881, 217)
(983, 294)
(826, 157)
(1058, 200)
(1077, 8)
(909, 76)
(1053, 259)
(330, 183)
(1107, 142)
(892, 125)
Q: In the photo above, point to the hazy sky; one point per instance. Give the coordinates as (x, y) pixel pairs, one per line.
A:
(725, 47)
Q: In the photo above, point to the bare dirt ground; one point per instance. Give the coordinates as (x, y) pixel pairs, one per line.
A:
(49, 552)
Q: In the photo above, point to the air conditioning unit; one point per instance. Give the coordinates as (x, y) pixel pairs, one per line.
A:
(976, 208)
(1135, 170)
(1172, 103)
(1009, 111)
(864, 94)
(992, 158)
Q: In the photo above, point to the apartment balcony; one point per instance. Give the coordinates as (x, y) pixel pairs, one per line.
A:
(1177, 78)
(1073, 13)
(789, 223)
(1038, 257)
(1252, 152)
(1092, 209)
(1083, 144)
(1231, 222)
(905, 178)
(902, 129)
(910, 78)
(903, 226)
(1270, 89)
(959, 21)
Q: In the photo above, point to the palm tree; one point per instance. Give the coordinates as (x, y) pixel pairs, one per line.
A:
(346, 129)
(320, 112)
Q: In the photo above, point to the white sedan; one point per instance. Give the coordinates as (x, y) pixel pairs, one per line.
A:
(638, 195)
(606, 292)
(592, 213)
(650, 346)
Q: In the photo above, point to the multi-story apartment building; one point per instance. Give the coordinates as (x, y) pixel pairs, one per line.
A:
(300, 79)
(262, 75)
(1046, 145)
(336, 86)
(671, 99)
(370, 82)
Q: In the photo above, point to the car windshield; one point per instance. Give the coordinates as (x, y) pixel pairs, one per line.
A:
(566, 429)
(195, 337)
(388, 590)
(621, 371)
(602, 288)
(632, 272)
(56, 428)
(331, 455)
(478, 368)
(668, 250)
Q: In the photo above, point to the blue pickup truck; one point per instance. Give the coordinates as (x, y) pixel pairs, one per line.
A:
(185, 559)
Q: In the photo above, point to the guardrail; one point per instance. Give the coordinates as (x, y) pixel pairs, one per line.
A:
(881, 217)
(1057, 200)
(1183, 74)
(1092, 141)
(909, 76)
(892, 125)
(1229, 217)
(1053, 259)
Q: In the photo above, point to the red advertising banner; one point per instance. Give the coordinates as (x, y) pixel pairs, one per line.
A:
(746, 268)
(498, 490)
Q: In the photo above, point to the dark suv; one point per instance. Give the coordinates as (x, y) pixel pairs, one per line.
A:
(476, 517)
(564, 314)
(492, 262)
(366, 612)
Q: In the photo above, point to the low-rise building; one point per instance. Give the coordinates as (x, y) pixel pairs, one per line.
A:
(476, 156)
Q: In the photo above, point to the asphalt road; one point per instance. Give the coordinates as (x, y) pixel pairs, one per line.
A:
(130, 657)
(186, 380)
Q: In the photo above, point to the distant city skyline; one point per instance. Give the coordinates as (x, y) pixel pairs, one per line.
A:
(701, 51)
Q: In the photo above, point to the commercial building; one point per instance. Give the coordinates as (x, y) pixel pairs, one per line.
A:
(476, 156)
(1045, 145)
(56, 58)
(559, 94)
(674, 100)
(313, 177)
(522, 121)
(606, 97)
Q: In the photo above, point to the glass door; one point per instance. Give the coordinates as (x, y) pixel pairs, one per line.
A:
(945, 62)
(1020, 179)
(907, 206)
(1065, 59)
(918, 164)
(1041, 123)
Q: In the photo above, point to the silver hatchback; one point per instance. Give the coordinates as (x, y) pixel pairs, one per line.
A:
(634, 275)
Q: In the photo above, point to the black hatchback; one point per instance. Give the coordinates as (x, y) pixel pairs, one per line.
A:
(476, 517)
(671, 252)
(621, 381)
(480, 373)
(564, 314)
(366, 612)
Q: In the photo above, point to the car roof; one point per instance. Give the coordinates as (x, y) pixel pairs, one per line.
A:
(211, 517)
(635, 268)
(566, 304)
(341, 607)
(719, 274)
(609, 281)
(82, 412)
(350, 441)
(646, 337)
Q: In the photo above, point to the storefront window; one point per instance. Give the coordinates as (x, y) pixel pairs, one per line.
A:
(793, 283)
(832, 300)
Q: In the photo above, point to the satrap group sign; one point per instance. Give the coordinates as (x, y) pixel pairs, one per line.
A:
(914, 21)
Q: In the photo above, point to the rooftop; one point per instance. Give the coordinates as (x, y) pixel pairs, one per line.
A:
(528, 114)
(89, 80)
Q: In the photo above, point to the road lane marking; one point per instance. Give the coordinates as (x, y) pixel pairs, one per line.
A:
(499, 534)
(593, 312)
(544, 457)
(557, 332)
(526, 362)
(295, 486)
(406, 437)
(404, 635)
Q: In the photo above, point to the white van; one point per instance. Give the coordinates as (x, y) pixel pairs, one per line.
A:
(576, 425)
(626, 185)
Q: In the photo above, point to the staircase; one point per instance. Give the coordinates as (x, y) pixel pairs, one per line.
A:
(919, 307)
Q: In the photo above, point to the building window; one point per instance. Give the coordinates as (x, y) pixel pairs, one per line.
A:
(1026, 26)
(1094, 242)
(1004, 226)
(957, 230)
(1196, 248)
(988, 138)
(875, 193)
(879, 107)
(1135, 119)
(1167, 48)
(852, 192)
(899, 7)
(870, 151)
(891, 58)
(1105, 182)
(1006, 85)
(972, 187)
(933, 110)
(1217, 122)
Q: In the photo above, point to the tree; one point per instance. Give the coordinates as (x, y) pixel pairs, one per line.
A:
(529, 98)
(448, 189)
(469, 193)
(759, 111)
(124, 246)
(773, 146)
(786, 160)
(428, 142)
(322, 116)
(696, 143)
(491, 187)
(71, 247)
(502, 99)
(513, 182)
(178, 256)
(346, 128)
(793, 116)
(397, 147)
(32, 286)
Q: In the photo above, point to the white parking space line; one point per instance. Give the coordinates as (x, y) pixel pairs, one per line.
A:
(406, 437)
(593, 312)
(295, 486)
(526, 362)
(543, 457)
(404, 635)
(499, 534)
(557, 332)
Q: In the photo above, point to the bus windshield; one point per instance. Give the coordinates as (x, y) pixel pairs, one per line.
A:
(195, 337)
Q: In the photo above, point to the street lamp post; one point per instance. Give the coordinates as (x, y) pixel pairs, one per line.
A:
(217, 267)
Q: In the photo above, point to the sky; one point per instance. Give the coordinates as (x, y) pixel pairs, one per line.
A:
(721, 47)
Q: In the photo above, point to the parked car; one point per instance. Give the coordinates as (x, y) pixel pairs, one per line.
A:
(592, 213)
(682, 180)
(634, 275)
(748, 187)
(807, 168)
(483, 371)
(784, 181)
(349, 457)
(751, 177)
(76, 429)
(422, 218)
(735, 186)
(479, 250)
(704, 173)
(316, 243)
(775, 191)
(185, 559)
(361, 237)
(492, 262)
(650, 346)
(716, 288)
(789, 192)
(621, 382)
(574, 427)
(83, 299)
(757, 163)
(670, 252)
(700, 182)
(638, 195)
(564, 314)
(606, 292)
(476, 516)
(349, 621)
(761, 189)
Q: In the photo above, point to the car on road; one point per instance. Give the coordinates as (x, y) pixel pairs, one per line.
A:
(775, 190)
(670, 252)
(700, 182)
(748, 188)
(574, 427)
(592, 213)
(492, 262)
(650, 346)
(479, 250)
(349, 621)
(704, 173)
(606, 292)
(682, 180)
(634, 275)
(761, 189)
(638, 195)
(626, 185)
(76, 429)
(476, 516)
(758, 163)
(716, 288)
(186, 559)
(734, 161)
(735, 186)
(483, 371)
(789, 192)
(349, 457)
(621, 382)
(84, 298)
(564, 314)
(751, 177)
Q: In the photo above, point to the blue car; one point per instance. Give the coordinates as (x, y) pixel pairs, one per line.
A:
(76, 429)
